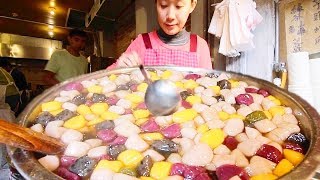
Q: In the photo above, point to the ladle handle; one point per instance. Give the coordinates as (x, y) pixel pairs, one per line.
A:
(144, 73)
(21, 137)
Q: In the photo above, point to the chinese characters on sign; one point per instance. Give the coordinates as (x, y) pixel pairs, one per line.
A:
(303, 26)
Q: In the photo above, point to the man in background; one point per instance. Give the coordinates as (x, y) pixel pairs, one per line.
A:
(67, 63)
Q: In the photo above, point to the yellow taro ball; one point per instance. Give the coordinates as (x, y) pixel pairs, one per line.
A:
(264, 177)
(134, 98)
(277, 110)
(84, 109)
(190, 84)
(142, 87)
(184, 115)
(234, 83)
(223, 115)
(99, 108)
(141, 121)
(154, 76)
(236, 116)
(268, 114)
(213, 138)
(179, 84)
(216, 89)
(283, 167)
(95, 121)
(194, 100)
(141, 114)
(275, 100)
(294, 157)
(95, 89)
(51, 106)
(203, 128)
(151, 136)
(115, 166)
(109, 115)
(130, 158)
(77, 122)
(112, 77)
(160, 170)
(166, 74)
(56, 112)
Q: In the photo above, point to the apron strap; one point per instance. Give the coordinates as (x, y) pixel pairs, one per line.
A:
(193, 43)
(146, 40)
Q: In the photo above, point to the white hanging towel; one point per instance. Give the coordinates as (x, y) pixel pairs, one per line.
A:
(254, 17)
(217, 21)
(233, 21)
(225, 47)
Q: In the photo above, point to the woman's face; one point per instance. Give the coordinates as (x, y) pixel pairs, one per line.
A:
(173, 14)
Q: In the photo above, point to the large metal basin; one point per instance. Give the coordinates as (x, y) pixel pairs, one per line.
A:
(309, 119)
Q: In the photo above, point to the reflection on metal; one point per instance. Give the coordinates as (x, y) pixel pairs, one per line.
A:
(27, 47)
(29, 52)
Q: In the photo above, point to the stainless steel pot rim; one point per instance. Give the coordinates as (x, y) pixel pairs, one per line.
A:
(29, 167)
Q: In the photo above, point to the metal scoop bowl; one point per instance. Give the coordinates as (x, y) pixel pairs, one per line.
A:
(162, 97)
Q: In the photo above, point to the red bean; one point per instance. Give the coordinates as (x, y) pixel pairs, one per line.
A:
(74, 86)
(191, 172)
(107, 135)
(203, 176)
(192, 76)
(178, 169)
(66, 174)
(142, 106)
(150, 126)
(293, 146)
(269, 152)
(67, 161)
(263, 92)
(225, 172)
(120, 140)
(231, 142)
(112, 100)
(251, 90)
(172, 131)
(246, 99)
(186, 104)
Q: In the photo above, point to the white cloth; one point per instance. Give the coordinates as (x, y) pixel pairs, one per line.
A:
(233, 21)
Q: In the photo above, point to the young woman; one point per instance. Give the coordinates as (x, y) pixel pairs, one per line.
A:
(171, 44)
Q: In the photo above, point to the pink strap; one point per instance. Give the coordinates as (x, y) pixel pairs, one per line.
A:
(146, 40)
(193, 43)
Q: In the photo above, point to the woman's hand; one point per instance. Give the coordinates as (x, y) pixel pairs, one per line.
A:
(129, 60)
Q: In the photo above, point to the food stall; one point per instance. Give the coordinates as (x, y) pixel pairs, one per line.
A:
(255, 116)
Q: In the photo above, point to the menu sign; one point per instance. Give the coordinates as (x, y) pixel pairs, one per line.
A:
(302, 24)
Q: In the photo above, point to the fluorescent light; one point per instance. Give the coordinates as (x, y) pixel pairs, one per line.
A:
(50, 26)
(50, 21)
(52, 4)
(51, 33)
(52, 11)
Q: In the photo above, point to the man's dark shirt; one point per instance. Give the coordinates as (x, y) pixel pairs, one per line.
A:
(19, 79)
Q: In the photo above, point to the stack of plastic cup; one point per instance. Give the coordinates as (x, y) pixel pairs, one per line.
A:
(315, 80)
(299, 76)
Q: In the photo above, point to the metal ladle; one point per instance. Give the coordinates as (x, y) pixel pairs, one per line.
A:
(162, 97)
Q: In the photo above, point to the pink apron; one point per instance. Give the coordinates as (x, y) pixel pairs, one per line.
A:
(158, 57)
